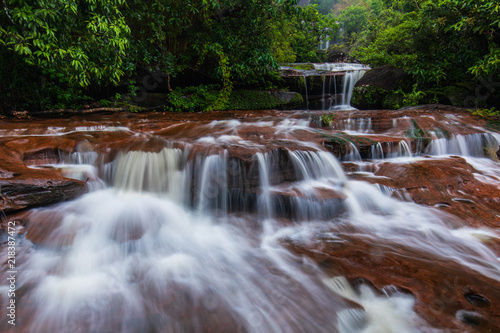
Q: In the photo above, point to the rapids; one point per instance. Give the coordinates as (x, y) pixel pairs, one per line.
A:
(257, 222)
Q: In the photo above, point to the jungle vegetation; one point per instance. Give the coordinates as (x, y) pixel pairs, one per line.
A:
(62, 54)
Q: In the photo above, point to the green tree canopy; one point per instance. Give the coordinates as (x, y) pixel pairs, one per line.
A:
(78, 42)
(437, 42)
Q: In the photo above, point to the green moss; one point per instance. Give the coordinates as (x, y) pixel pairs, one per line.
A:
(493, 125)
(415, 132)
(302, 66)
(327, 119)
(369, 97)
(491, 112)
(263, 100)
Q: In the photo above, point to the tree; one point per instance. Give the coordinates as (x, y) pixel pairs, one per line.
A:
(437, 42)
(297, 37)
(74, 42)
(441, 44)
(324, 7)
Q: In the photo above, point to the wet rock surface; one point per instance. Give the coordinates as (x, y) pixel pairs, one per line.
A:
(442, 288)
(395, 151)
(448, 184)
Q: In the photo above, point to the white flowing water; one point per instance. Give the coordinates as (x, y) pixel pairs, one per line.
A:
(159, 250)
(349, 80)
(353, 72)
(476, 145)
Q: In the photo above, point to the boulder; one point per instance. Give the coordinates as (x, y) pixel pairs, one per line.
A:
(262, 100)
(16, 194)
(337, 53)
(386, 77)
(373, 90)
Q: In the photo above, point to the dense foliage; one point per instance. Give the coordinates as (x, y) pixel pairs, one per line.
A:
(68, 43)
(449, 47)
(61, 54)
(297, 39)
(56, 53)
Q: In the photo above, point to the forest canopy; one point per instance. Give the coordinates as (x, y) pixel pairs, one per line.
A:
(53, 53)
(442, 44)
(56, 54)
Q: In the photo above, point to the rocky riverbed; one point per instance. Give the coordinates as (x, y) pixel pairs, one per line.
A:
(402, 203)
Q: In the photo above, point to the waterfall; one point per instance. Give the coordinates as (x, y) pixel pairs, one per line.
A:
(377, 152)
(477, 145)
(348, 82)
(360, 125)
(307, 92)
(219, 232)
(264, 201)
(353, 72)
(353, 153)
(347, 74)
(398, 149)
(404, 149)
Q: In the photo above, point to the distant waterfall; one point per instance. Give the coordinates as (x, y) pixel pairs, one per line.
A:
(353, 72)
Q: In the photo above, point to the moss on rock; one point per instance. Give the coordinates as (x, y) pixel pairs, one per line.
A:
(264, 100)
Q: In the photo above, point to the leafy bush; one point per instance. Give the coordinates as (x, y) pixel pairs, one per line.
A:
(193, 99)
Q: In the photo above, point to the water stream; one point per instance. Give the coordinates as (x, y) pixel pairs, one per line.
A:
(210, 230)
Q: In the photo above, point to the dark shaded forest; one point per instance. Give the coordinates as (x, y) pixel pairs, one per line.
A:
(68, 54)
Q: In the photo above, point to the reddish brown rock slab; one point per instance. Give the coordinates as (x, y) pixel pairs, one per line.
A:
(442, 287)
(23, 187)
(447, 183)
(403, 122)
(24, 193)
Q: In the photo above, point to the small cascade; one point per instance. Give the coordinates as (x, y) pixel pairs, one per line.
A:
(323, 100)
(399, 149)
(330, 84)
(212, 189)
(316, 165)
(89, 157)
(306, 91)
(138, 171)
(404, 149)
(264, 201)
(352, 154)
(392, 304)
(353, 72)
(324, 45)
(77, 165)
(377, 152)
(350, 79)
(330, 94)
(317, 193)
(359, 125)
(476, 145)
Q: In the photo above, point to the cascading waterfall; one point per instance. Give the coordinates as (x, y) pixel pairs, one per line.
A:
(264, 201)
(360, 125)
(139, 256)
(333, 95)
(350, 79)
(210, 236)
(352, 154)
(398, 149)
(476, 145)
(306, 91)
(353, 72)
(377, 152)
